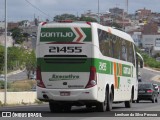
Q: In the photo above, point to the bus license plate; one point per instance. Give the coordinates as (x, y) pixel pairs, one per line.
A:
(64, 93)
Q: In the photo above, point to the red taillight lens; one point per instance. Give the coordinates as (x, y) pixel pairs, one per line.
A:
(149, 91)
(39, 78)
(89, 23)
(43, 23)
(92, 78)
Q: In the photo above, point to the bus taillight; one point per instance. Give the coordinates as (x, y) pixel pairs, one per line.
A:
(39, 78)
(92, 78)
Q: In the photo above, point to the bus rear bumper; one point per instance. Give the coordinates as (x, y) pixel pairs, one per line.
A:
(44, 94)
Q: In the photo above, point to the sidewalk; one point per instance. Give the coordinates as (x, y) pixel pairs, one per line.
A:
(155, 78)
(151, 69)
(14, 72)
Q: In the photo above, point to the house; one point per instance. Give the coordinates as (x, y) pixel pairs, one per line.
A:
(12, 25)
(143, 13)
(24, 23)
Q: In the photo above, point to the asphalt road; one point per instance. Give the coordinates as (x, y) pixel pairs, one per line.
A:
(148, 75)
(20, 76)
(81, 113)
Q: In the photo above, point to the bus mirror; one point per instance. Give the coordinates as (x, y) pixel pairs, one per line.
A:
(141, 64)
(140, 59)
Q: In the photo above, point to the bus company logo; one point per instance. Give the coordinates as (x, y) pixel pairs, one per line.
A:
(127, 70)
(64, 77)
(57, 34)
(102, 66)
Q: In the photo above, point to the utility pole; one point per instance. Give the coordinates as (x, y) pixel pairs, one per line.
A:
(98, 13)
(5, 95)
(127, 6)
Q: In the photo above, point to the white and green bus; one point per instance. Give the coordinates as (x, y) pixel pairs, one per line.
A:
(85, 64)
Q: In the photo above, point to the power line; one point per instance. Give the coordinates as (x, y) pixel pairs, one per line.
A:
(38, 9)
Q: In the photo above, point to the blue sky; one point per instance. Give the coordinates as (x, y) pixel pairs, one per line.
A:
(20, 9)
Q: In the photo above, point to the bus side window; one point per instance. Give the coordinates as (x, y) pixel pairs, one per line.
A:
(124, 50)
(117, 48)
(130, 52)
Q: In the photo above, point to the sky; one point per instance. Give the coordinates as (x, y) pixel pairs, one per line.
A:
(21, 10)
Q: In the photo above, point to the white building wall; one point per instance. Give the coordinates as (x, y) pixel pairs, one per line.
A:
(149, 41)
(9, 40)
(2, 25)
(19, 97)
(137, 38)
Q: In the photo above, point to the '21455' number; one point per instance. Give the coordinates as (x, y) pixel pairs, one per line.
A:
(69, 49)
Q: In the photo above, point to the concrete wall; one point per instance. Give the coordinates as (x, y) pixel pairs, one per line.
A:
(19, 97)
(9, 40)
(149, 40)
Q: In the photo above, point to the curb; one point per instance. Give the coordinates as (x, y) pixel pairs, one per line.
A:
(14, 72)
(151, 69)
(156, 78)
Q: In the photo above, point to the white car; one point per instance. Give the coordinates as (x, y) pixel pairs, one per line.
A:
(2, 77)
(32, 76)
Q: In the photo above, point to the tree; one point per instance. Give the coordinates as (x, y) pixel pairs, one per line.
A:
(116, 25)
(30, 63)
(15, 58)
(1, 58)
(26, 36)
(88, 19)
(17, 35)
(65, 17)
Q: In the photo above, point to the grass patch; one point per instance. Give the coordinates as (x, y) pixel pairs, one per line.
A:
(38, 101)
(1, 104)
(21, 85)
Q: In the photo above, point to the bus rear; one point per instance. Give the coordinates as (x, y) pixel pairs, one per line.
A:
(65, 70)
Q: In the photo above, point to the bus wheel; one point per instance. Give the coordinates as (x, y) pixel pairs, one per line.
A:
(128, 104)
(156, 100)
(109, 100)
(54, 108)
(101, 106)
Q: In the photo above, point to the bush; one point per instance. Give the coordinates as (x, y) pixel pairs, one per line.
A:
(2, 84)
(1, 103)
(151, 62)
(38, 101)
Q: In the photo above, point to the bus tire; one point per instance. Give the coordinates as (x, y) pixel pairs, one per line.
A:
(156, 100)
(128, 104)
(109, 100)
(54, 108)
(137, 101)
(101, 106)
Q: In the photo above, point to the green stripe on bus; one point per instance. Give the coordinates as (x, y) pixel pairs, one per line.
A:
(118, 82)
(64, 67)
(102, 66)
